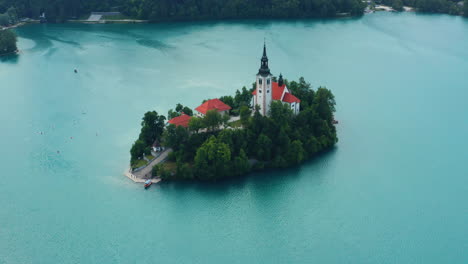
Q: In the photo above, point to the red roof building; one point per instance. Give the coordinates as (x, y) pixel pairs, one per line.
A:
(182, 120)
(213, 104)
(281, 93)
(290, 98)
(267, 90)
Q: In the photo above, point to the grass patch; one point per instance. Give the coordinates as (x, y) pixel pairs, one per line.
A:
(237, 123)
(149, 157)
(139, 163)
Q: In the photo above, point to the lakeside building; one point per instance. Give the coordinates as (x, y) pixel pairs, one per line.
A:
(182, 120)
(267, 90)
(213, 104)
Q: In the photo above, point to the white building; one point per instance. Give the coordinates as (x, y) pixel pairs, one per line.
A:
(267, 90)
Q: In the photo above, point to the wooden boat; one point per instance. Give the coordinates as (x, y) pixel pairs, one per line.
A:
(148, 183)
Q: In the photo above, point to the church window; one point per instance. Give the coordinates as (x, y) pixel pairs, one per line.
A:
(268, 81)
(260, 90)
(260, 81)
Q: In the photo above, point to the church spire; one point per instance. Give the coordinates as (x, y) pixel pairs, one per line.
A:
(264, 70)
(280, 80)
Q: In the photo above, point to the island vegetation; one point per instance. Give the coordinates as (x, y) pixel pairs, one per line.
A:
(212, 148)
(7, 42)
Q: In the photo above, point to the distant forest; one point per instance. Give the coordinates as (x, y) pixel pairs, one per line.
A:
(172, 10)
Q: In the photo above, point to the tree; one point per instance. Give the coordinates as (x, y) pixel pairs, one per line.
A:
(229, 100)
(137, 150)
(280, 114)
(187, 111)
(245, 114)
(179, 110)
(397, 5)
(325, 104)
(175, 137)
(212, 160)
(171, 114)
(195, 124)
(12, 14)
(4, 20)
(296, 153)
(241, 164)
(7, 42)
(264, 147)
(225, 120)
(152, 127)
(243, 97)
(212, 120)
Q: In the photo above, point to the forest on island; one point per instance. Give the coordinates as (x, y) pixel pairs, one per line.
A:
(211, 148)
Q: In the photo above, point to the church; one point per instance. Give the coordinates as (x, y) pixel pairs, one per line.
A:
(267, 90)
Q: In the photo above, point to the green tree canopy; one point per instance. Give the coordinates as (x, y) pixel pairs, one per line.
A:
(212, 159)
(152, 127)
(212, 120)
(7, 42)
(195, 124)
(137, 150)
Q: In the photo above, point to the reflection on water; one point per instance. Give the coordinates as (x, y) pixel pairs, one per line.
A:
(10, 58)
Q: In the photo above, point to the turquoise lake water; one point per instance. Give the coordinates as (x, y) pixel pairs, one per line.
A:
(395, 190)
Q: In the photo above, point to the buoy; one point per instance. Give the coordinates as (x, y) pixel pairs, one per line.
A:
(76, 71)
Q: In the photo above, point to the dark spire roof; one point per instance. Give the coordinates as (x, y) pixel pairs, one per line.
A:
(280, 80)
(264, 70)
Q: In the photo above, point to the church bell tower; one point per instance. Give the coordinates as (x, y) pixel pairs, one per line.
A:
(263, 96)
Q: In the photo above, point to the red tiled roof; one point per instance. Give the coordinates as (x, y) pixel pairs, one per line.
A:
(182, 120)
(212, 104)
(289, 98)
(277, 90)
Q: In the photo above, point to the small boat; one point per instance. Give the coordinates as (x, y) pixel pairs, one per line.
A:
(148, 183)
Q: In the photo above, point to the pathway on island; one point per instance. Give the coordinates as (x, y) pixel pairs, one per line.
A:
(145, 173)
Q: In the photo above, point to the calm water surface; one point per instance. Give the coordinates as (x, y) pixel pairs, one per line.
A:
(393, 191)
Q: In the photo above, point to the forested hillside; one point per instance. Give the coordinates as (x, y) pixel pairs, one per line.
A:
(168, 10)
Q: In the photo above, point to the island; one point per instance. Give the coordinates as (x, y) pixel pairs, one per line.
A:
(275, 124)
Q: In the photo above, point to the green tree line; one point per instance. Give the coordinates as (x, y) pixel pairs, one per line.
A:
(169, 10)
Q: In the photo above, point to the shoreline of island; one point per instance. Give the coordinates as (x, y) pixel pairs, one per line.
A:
(274, 125)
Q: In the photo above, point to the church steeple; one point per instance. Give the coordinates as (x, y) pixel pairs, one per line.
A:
(264, 70)
(280, 80)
